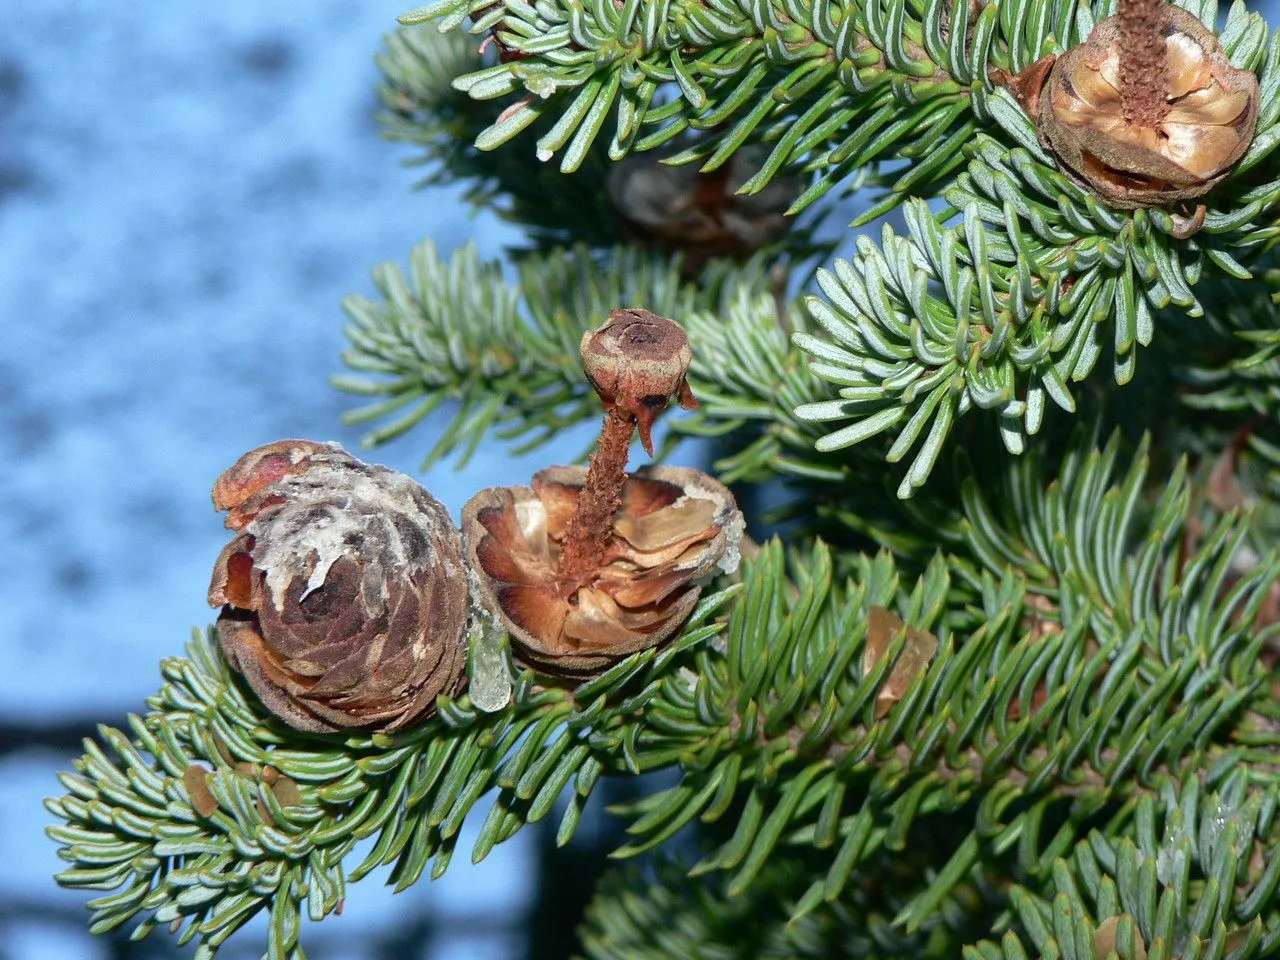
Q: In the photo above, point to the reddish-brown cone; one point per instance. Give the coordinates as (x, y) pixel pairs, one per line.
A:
(346, 595)
(674, 527)
(1141, 150)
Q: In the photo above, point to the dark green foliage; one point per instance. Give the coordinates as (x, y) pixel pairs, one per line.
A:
(1144, 665)
(1192, 875)
(662, 913)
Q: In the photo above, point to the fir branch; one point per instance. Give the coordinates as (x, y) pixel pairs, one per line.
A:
(1007, 306)
(1193, 874)
(833, 87)
(182, 817)
(1025, 282)
(1224, 380)
(659, 913)
(1230, 363)
(781, 725)
(748, 378)
(579, 61)
(1067, 675)
(1034, 695)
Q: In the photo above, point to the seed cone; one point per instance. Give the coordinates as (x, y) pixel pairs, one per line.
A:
(674, 527)
(701, 214)
(1148, 157)
(346, 595)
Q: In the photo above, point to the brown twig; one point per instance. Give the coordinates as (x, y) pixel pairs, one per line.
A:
(1144, 67)
(635, 362)
(592, 524)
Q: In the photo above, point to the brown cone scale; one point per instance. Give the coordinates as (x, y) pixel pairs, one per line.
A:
(674, 527)
(1146, 157)
(345, 593)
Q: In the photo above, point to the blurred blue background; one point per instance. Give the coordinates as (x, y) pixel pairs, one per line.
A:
(186, 192)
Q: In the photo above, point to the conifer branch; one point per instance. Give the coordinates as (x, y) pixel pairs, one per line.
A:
(1188, 872)
(1039, 695)
(1009, 304)
(1231, 359)
(1013, 331)
(578, 63)
(182, 817)
(1106, 720)
(662, 912)
(1192, 874)
(834, 87)
(1029, 281)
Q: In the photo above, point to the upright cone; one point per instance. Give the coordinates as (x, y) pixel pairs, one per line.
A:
(345, 595)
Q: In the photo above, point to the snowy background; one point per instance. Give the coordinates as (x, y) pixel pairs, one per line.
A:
(186, 191)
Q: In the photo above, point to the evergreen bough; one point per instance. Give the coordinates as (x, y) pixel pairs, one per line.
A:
(1088, 765)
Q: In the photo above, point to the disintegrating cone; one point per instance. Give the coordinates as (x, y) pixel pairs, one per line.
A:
(345, 592)
(675, 526)
(1210, 111)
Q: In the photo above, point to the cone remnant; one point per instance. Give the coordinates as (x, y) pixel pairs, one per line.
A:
(1098, 114)
(589, 565)
(674, 526)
